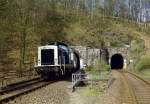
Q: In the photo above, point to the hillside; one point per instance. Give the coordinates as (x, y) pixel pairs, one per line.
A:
(37, 23)
(146, 38)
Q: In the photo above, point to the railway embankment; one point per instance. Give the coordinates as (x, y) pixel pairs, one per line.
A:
(11, 77)
(55, 93)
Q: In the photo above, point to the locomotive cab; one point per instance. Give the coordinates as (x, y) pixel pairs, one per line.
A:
(47, 56)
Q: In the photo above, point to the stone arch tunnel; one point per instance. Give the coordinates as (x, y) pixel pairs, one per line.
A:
(117, 61)
(115, 57)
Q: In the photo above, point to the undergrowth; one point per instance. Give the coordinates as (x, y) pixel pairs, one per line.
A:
(143, 63)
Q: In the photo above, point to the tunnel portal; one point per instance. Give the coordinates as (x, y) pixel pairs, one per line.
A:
(117, 62)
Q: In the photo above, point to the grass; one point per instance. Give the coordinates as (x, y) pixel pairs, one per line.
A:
(143, 63)
(98, 71)
(95, 76)
(98, 75)
(91, 91)
(145, 72)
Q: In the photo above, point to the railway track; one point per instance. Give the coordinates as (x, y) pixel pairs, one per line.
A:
(126, 93)
(139, 88)
(14, 90)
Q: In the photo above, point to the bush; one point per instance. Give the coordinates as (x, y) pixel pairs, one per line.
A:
(99, 65)
(137, 46)
(144, 63)
(89, 68)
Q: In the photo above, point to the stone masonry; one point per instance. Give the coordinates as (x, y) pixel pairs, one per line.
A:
(90, 55)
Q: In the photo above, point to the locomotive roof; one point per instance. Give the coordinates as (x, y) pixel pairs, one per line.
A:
(58, 43)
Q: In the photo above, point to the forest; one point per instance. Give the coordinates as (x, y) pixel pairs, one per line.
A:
(27, 24)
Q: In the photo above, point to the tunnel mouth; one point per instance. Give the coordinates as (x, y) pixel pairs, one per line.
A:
(117, 62)
(78, 60)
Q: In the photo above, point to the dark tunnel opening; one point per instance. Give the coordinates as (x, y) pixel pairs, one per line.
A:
(77, 61)
(117, 62)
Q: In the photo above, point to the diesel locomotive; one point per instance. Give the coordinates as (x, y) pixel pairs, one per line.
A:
(56, 59)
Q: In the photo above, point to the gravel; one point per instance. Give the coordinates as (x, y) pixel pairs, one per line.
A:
(55, 93)
(58, 93)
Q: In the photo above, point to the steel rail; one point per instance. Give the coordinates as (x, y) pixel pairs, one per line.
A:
(11, 94)
(138, 76)
(17, 85)
(132, 94)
